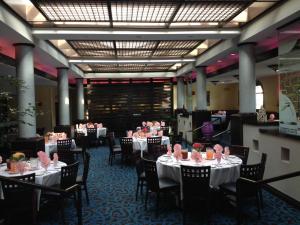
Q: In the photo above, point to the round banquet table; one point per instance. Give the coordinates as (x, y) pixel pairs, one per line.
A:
(51, 146)
(140, 144)
(48, 179)
(101, 132)
(225, 172)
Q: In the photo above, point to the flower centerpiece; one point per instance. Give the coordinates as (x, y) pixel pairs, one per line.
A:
(18, 156)
(196, 152)
(15, 163)
(198, 147)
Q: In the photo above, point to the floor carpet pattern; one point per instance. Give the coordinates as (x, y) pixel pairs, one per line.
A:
(112, 201)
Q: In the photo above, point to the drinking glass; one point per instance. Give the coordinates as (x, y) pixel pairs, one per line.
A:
(33, 163)
(45, 165)
(21, 167)
(209, 153)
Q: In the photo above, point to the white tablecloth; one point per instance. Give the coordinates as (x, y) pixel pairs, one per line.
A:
(50, 178)
(141, 143)
(52, 146)
(101, 132)
(227, 171)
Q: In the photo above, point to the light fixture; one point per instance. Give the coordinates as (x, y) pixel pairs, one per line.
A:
(67, 101)
(113, 61)
(82, 101)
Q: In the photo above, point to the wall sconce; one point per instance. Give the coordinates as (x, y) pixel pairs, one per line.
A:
(82, 101)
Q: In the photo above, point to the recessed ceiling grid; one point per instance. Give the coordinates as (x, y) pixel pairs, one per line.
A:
(96, 53)
(92, 44)
(133, 48)
(210, 11)
(129, 67)
(144, 11)
(69, 10)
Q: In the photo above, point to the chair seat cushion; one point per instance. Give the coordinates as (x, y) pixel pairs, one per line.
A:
(229, 187)
(117, 149)
(167, 183)
(78, 149)
(79, 179)
(117, 146)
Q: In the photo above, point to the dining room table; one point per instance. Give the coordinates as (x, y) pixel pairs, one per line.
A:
(51, 146)
(48, 177)
(140, 144)
(101, 131)
(226, 171)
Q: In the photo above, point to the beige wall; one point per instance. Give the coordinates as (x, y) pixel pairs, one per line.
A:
(226, 96)
(223, 96)
(45, 97)
(271, 95)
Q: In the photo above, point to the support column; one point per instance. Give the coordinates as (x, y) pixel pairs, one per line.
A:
(80, 99)
(247, 78)
(26, 90)
(201, 94)
(189, 96)
(180, 93)
(63, 96)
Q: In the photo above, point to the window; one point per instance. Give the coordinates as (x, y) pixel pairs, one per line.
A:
(259, 96)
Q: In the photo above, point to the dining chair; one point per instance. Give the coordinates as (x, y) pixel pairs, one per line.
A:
(82, 179)
(66, 156)
(141, 178)
(155, 152)
(157, 185)
(165, 130)
(126, 149)
(263, 166)
(177, 139)
(152, 142)
(81, 145)
(92, 137)
(241, 190)
(207, 130)
(19, 198)
(65, 144)
(195, 188)
(113, 149)
(68, 175)
(111, 136)
(240, 151)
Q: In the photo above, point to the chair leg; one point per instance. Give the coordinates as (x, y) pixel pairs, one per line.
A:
(62, 211)
(137, 189)
(86, 193)
(79, 206)
(258, 204)
(261, 198)
(142, 187)
(157, 204)
(146, 199)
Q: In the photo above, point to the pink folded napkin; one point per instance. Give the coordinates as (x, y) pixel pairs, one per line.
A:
(162, 123)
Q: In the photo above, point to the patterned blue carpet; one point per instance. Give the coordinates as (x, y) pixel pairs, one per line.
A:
(112, 201)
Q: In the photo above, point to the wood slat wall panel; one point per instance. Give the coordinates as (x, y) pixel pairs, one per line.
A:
(124, 106)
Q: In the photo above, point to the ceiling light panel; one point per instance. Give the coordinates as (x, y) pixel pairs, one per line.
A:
(70, 10)
(135, 44)
(107, 53)
(178, 44)
(134, 53)
(171, 52)
(142, 11)
(210, 11)
(92, 44)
